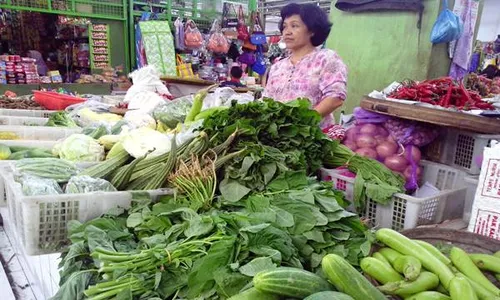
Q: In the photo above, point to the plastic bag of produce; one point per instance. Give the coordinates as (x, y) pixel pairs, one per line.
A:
(34, 186)
(391, 141)
(174, 112)
(87, 184)
(79, 147)
(54, 168)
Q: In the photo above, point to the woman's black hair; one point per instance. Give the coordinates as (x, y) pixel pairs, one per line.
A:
(313, 16)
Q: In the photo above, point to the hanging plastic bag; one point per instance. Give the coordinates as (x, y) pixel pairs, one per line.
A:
(448, 26)
(140, 51)
(179, 34)
(217, 42)
(243, 33)
(258, 36)
(260, 65)
(192, 36)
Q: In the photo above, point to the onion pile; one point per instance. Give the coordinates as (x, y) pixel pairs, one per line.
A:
(374, 141)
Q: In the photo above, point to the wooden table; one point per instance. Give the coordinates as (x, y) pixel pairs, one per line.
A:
(434, 116)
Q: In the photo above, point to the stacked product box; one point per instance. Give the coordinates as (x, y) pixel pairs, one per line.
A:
(18, 70)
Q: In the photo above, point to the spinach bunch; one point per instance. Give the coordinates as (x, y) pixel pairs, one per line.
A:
(277, 136)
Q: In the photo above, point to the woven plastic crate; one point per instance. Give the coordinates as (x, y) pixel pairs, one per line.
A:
(22, 121)
(40, 133)
(405, 211)
(471, 183)
(464, 150)
(41, 221)
(26, 113)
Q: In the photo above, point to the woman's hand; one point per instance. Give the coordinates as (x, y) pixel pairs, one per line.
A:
(328, 105)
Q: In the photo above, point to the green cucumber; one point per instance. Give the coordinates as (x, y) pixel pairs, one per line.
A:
(486, 262)
(348, 280)
(428, 295)
(291, 282)
(466, 266)
(460, 288)
(426, 281)
(481, 292)
(382, 258)
(329, 295)
(434, 251)
(404, 245)
(253, 294)
(409, 266)
(379, 270)
(390, 254)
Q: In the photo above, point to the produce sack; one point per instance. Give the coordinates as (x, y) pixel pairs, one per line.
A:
(485, 214)
(448, 26)
(394, 142)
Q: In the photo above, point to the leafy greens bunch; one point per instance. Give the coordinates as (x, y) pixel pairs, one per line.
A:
(165, 249)
(278, 137)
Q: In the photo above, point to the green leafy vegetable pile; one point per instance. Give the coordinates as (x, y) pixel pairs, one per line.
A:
(278, 137)
(60, 119)
(164, 249)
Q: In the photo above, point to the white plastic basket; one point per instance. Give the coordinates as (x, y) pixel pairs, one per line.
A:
(40, 133)
(471, 184)
(464, 150)
(22, 121)
(405, 211)
(41, 221)
(26, 113)
(23, 143)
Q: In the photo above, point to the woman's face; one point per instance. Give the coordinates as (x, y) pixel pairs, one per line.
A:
(295, 33)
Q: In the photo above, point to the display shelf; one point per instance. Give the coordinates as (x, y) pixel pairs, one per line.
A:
(441, 117)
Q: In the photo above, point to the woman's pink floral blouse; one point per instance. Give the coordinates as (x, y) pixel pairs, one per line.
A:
(318, 75)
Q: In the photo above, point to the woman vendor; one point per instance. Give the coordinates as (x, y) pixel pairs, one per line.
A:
(316, 74)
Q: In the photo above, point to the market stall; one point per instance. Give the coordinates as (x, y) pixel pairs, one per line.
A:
(143, 194)
(57, 42)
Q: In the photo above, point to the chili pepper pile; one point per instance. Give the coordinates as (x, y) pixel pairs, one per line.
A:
(443, 92)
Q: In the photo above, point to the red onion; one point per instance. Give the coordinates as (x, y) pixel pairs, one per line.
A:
(366, 141)
(350, 144)
(383, 132)
(387, 149)
(396, 163)
(416, 154)
(369, 129)
(367, 152)
(408, 172)
(352, 133)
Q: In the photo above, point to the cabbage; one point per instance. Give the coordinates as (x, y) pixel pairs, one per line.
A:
(139, 141)
(80, 147)
(138, 119)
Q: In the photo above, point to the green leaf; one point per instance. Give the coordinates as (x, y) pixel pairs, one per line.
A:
(315, 235)
(365, 248)
(74, 287)
(292, 180)
(257, 265)
(340, 235)
(246, 165)
(268, 171)
(339, 215)
(255, 228)
(134, 220)
(229, 283)
(283, 218)
(302, 195)
(201, 277)
(274, 254)
(232, 190)
(98, 238)
(199, 226)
